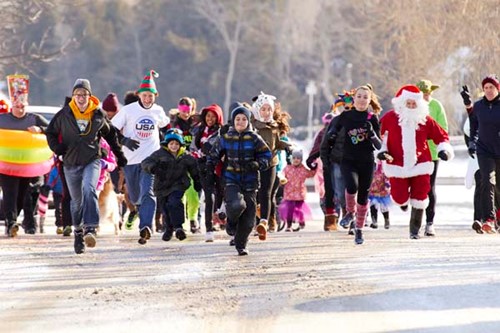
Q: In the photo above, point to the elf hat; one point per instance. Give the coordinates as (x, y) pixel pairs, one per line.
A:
(148, 83)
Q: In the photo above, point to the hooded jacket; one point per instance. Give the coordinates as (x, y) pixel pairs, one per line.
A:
(172, 173)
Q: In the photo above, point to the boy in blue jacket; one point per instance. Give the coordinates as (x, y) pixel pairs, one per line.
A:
(245, 154)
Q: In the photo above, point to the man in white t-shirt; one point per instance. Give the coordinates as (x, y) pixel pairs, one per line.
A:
(140, 124)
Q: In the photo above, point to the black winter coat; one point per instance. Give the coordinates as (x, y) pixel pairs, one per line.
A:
(171, 173)
(64, 137)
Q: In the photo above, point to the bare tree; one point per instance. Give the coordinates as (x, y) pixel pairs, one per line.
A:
(23, 41)
(227, 18)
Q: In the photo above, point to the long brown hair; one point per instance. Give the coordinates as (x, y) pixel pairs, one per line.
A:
(281, 118)
(374, 103)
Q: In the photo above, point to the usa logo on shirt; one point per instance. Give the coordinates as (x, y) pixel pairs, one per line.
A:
(144, 128)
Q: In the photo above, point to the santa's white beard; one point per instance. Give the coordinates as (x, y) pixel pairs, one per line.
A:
(412, 118)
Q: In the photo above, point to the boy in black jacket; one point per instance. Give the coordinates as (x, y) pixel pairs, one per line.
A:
(172, 167)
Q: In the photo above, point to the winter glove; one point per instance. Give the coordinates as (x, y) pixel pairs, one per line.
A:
(311, 164)
(61, 149)
(384, 156)
(251, 166)
(369, 129)
(197, 186)
(466, 95)
(104, 164)
(331, 139)
(130, 143)
(472, 149)
(121, 161)
(443, 155)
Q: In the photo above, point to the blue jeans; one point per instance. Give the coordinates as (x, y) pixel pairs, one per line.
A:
(82, 182)
(140, 191)
(338, 187)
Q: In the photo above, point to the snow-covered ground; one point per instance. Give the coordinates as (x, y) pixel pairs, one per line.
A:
(308, 281)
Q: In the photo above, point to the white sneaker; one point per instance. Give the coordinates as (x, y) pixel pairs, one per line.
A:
(429, 230)
(209, 237)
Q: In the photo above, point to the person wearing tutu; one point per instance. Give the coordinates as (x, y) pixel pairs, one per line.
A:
(380, 197)
(293, 207)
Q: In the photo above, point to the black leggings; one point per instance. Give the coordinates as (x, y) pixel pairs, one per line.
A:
(490, 174)
(430, 210)
(213, 200)
(267, 193)
(14, 190)
(67, 220)
(358, 177)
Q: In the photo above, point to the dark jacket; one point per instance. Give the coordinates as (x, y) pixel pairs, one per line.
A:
(171, 172)
(186, 126)
(270, 133)
(240, 150)
(485, 127)
(358, 145)
(64, 137)
(332, 154)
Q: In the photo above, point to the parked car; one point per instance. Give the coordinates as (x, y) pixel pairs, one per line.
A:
(47, 112)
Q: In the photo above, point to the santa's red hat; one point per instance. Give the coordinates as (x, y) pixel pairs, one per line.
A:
(409, 91)
(4, 106)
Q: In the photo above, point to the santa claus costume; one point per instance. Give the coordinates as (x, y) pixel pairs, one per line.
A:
(408, 161)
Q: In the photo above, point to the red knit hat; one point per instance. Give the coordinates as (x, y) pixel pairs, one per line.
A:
(493, 79)
(409, 91)
(148, 83)
(110, 103)
(4, 107)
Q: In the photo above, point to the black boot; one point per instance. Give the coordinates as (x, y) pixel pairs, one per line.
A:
(415, 222)
(79, 244)
(167, 235)
(194, 227)
(387, 223)
(358, 239)
(374, 217)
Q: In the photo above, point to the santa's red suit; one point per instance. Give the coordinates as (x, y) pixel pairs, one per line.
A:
(405, 133)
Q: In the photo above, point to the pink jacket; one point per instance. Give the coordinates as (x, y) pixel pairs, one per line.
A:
(295, 188)
(108, 164)
(319, 180)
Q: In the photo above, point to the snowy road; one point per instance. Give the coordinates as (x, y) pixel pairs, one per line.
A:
(293, 282)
